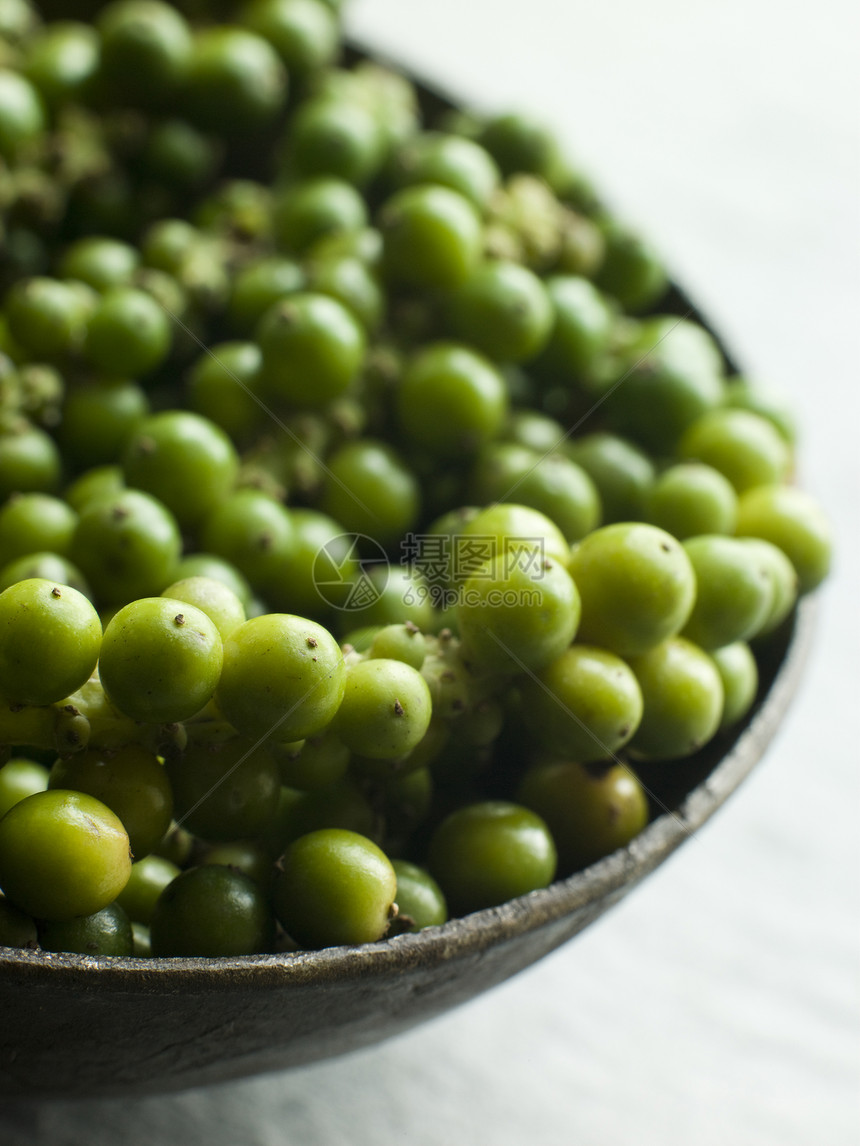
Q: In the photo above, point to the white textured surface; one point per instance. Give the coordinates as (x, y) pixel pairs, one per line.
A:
(719, 1004)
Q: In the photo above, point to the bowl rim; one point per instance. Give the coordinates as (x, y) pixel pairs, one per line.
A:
(600, 884)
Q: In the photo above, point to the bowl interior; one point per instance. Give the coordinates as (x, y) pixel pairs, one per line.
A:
(85, 1026)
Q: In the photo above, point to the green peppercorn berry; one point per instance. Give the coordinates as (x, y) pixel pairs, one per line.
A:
(252, 531)
(739, 673)
(337, 138)
(683, 700)
(521, 144)
(550, 483)
(98, 418)
(631, 270)
(236, 208)
(283, 676)
(783, 582)
(316, 572)
(312, 348)
(129, 334)
(389, 595)
(591, 810)
(637, 586)
(487, 853)
(431, 237)
(450, 161)
(385, 711)
(236, 82)
(583, 246)
(50, 637)
(141, 942)
(168, 243)
(211, 596)
(22, 116)
(341, 805)
(18, 21)
(535, 431)
(247, 856)
(256, 286)
(585, 705)
(793, 521)
(314, 208)
(145, 50)
(45, 566)
(504, 310)
(580, 329)
(214, 568)
(407, 797)
(62, 854)
(105, 932)
(349, 280)
(212, 911)
(304, 33)
(127, 545)
(19, 778)
(622, 472)
(420, 901)
(92, 484)
(29, 461)
(734, 592)
(177, 846)
(741, 394)
(691, 499)
(518, 612)
(184, 460)
(149, 877)
(222, 387)
(160, 660)
(100, 261)
(745, 447)
(451, 400)
(672, 373)
(34, 522)
(313, 764)
(179, 156)
(62, 62)
(369, 489)
(400, 643)
(335, 887)
(47, 317)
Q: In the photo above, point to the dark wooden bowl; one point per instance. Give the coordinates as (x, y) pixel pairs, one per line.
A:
(84, 1026)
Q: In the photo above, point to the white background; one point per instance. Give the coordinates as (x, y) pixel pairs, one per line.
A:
(719, 1003)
